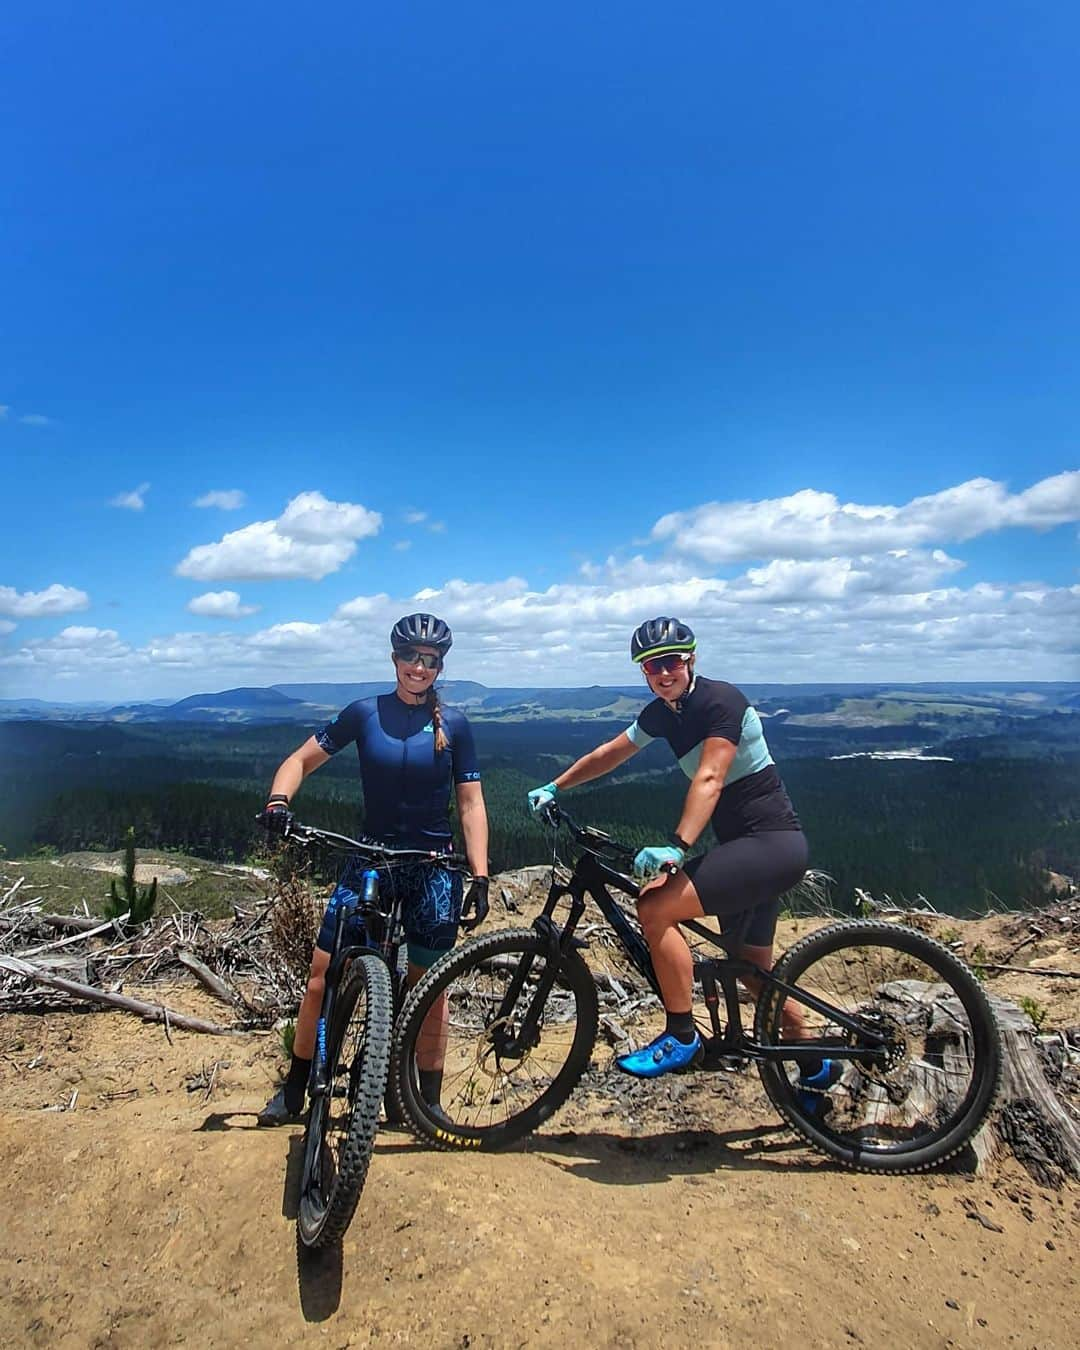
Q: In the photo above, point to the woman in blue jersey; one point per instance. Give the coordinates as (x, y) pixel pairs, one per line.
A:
(760, 849)
(411, 751)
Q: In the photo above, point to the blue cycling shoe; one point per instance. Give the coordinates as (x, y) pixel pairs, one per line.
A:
(812, 1090)
(664, 1055)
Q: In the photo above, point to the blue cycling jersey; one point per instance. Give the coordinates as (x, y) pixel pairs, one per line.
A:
(406, 782)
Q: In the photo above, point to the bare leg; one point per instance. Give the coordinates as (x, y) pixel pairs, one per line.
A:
(661, 909)
(792, 1018)
(431, 1038)
(307, 1019)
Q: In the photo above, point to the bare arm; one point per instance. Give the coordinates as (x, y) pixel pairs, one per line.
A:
(474, 826)
(705, 787)
(293, 770)
(598, 762)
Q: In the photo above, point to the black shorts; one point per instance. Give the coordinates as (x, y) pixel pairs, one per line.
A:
(741, 882)
(430, 907)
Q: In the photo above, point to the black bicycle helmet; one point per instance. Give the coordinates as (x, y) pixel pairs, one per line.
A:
(421, 630)
(656, 636)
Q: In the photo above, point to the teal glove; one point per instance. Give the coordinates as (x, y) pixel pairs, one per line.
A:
(650, 862)
(541, 797)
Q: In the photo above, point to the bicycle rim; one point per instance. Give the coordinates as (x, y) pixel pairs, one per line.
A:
(938, 1057)
(342, 1125)
(499, 1082)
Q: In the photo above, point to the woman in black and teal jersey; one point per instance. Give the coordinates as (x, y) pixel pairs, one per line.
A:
(760, 849)
(412, 750)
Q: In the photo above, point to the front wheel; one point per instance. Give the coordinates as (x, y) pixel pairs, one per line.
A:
(509, 1059)
(936, 1052)
(342, 1122)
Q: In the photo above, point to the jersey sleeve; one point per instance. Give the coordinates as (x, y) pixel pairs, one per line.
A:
(342, 731)
(639, 737)
(725, 713)
(648, 726)
(463, 752)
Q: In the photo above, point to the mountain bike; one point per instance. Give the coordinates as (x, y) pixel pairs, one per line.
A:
(902, 1029)
(364, 989)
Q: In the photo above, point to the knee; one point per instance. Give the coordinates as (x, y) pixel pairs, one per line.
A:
(653, 924)
(316, 985)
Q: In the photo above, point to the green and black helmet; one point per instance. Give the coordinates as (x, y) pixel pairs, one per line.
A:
(656, 636)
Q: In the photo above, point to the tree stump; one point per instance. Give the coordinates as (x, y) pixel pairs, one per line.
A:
(1028, 1120)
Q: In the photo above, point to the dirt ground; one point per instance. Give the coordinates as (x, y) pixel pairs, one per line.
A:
(153, 1212)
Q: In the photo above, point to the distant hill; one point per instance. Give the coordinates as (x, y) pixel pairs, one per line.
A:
(809, 713)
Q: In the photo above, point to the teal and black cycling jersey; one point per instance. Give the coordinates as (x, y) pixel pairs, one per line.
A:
(406, 782)
(754, 799)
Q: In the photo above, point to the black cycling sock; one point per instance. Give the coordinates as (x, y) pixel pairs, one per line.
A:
(296, 1084)
(681, 1026)
(431, 1085)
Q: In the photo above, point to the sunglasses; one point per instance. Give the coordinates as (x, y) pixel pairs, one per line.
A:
(409, 656)
(664, 665)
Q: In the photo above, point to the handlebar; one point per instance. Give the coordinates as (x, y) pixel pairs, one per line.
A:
(371, 848)
(596, 841)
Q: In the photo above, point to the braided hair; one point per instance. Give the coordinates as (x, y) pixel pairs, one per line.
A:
(435, 708)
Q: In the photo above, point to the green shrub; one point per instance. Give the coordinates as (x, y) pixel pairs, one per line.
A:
(1038, 1012)
(137, 902)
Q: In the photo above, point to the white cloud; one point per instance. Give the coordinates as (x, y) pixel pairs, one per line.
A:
(131, 501)
(636, 571)
(220, 605)
(812, 524)
(310, 539)
(75, 651)
(35, 420)
(53, 600)
(310, 518)
(437, 527)
(230, 500)
(415, 517)
(6, 626)
(402, 545)
(5, 408)
(811, 625)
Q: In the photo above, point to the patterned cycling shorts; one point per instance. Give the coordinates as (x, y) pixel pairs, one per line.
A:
(430, 907)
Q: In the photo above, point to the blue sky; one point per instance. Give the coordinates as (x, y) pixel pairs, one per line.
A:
(765, 316)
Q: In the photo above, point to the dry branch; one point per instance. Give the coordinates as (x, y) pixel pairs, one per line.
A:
(1031, 970)
(149, 1011)
(216, 985)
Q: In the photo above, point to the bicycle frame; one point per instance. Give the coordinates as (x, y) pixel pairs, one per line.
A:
(365, 906)
(590, 879)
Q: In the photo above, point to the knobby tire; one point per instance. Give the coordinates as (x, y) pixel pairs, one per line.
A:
(804, 965)
(470, 1037)
(326, 1209)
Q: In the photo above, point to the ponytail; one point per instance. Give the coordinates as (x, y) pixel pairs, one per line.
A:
(435, 708)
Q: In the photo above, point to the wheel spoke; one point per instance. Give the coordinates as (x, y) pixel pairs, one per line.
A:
(936, 1055)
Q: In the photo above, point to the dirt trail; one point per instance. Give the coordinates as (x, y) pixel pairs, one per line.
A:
(148, 1216)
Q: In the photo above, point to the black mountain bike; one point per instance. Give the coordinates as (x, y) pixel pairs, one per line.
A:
(913, 1049)
(364, 989)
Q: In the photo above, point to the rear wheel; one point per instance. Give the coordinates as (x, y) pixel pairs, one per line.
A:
(342, 1123)
(501, 1079)
(935, 1074)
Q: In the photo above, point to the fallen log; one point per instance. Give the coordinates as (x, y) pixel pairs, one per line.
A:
(77, 937)
(150, 1012)
(214, 983)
